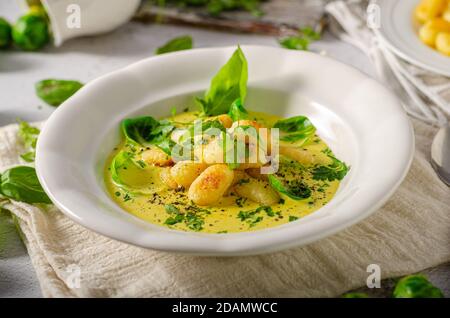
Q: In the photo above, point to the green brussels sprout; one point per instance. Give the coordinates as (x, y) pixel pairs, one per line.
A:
(5, 34)
(355, 295)
(54, 92)
(30, 33)
(416, 286)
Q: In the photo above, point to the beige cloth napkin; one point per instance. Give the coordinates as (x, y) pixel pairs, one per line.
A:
(410, 233)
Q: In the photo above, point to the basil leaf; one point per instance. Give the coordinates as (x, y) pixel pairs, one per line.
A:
(122, 160)
(295, 128)
(146, 130)
(294, 189)
(138, 130)
(337, 170)
(237, 111)
(54, 92)
(300, 41)
(229, 84)
(28, 156)
(21, 184)
(176, 44)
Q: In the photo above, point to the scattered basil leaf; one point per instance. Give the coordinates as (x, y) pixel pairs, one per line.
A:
(294, 129)
(237, 111)
(54, 92)
(229, 84)
(301, 41)
(21, 184)
(176, 44)
(295, 189)
(416, 286)
(28, 156)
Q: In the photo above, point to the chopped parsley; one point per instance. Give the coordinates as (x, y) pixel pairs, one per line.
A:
(253, 217)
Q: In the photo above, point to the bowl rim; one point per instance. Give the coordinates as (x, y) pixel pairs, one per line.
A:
(232, 244)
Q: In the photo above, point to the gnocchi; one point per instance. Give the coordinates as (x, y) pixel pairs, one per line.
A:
(434, 15)
(211, 184)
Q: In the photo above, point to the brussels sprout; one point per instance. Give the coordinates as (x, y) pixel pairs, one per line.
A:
(54, 92)
(355, 295)
(416, 286)
(5, 33)
(31, 33)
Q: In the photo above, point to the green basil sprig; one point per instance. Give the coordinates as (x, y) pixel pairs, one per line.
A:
(21, 184)
(229, 84)
(54, 92)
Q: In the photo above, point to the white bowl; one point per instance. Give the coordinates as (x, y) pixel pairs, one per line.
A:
(96, 16)
(361, 121)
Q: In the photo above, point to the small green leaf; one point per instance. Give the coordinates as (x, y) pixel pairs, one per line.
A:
(21, 184)
(229, 84)
(337, 170)
(54, 92)
(28, 156)
(146, 130)
(300, 41)
(176, 44)
(295, 129)
(294, 189)
(237, 111)
(28, 134)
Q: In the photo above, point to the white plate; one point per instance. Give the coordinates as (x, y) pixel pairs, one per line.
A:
(399, 31)
(359, 119)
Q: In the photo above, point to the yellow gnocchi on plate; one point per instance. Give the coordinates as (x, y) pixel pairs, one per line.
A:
(434, 17)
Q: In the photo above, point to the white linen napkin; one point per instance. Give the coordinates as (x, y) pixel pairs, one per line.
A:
(425, 95)
(408, 234)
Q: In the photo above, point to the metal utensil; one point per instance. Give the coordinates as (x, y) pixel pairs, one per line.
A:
(440, 154)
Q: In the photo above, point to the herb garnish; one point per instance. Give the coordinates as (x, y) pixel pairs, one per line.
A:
(301, 41)
(190, 218)
(29, 135)
(295, 189)
(252, 217)
(229, 84)
(334, 171)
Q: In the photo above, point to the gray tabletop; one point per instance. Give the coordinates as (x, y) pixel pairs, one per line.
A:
(87, 58)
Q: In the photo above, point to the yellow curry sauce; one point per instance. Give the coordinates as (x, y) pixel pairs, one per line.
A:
(232, 213)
